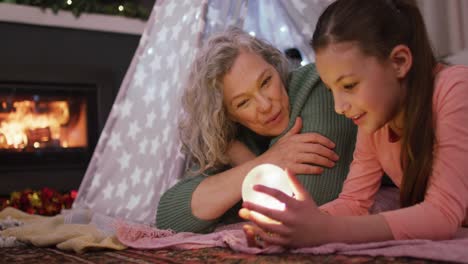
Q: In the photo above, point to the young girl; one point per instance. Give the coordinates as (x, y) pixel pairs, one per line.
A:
(411, 113)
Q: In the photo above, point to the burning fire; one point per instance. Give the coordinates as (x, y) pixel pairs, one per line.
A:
(33, 123)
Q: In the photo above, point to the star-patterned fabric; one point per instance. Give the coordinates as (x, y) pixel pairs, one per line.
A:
(138, 155)
(285, 24)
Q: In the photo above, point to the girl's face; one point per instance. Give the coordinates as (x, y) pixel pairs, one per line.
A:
(255, 96)
(366, 90)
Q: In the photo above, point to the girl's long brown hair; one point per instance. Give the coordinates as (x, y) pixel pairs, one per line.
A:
(378, 26)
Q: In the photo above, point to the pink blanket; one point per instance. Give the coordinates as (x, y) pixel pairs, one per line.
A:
(145, 237)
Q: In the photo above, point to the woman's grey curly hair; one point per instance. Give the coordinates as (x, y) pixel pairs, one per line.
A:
(205, 128)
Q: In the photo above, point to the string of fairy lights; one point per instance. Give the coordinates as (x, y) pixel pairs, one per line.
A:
(132, 9)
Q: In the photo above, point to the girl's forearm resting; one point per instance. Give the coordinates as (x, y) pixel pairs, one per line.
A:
(357, 229)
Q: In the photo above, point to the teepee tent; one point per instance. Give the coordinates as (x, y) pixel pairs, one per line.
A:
(138, 155)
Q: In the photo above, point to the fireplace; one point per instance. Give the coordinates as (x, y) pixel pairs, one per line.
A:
(49, 126)
(34, 120)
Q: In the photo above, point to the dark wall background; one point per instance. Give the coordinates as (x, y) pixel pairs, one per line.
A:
(41, 46)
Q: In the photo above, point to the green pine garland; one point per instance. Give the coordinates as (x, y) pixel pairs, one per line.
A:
(109, 7)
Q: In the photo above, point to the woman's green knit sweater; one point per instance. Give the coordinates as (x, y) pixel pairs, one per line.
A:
(310, 100)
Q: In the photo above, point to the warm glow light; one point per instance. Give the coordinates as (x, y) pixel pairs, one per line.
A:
(24, 120)
(271, 176)
(69, 2)
(121, 8)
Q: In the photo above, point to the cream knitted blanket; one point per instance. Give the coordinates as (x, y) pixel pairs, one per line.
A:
(72, 232)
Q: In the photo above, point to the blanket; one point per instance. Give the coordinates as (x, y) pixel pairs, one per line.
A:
(73, 232)
(145, 237)
(66, 233)
(84, 230)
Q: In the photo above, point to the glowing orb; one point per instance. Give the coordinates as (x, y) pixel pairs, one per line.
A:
(271, 176)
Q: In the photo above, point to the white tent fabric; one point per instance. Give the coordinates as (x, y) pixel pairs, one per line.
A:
(138, 155)
(447, 25)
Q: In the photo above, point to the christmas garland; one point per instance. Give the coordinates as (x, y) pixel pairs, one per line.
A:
(46, 201)
(109, 7)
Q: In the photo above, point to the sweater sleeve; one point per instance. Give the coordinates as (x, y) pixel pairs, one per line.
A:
(446, 200)
(175, 211)
(362, 183)
(310, 100)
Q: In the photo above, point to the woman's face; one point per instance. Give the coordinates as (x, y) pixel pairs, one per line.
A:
(255, 96)
(364, 89)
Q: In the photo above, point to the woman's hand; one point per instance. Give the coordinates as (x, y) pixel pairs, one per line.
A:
(301, 223)
(304, 153)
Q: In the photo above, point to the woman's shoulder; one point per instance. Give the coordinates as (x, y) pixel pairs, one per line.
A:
(302, 80)
(306, 71)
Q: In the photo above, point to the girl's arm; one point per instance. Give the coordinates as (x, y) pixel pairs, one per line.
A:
(345, 219)
(446, 201)
(362, 183)
(302, 224)
(438, 217)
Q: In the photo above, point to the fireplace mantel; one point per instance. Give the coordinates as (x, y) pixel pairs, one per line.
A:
(64, 169)
(42, 48)
(96, 22)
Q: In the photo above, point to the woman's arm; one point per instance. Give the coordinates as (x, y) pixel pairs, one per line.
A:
(218, 193)
(239, 153)
(196, 203)
(310, 100)
(175, 211)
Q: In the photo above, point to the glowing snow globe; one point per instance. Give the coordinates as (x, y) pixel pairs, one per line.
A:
(271, 176)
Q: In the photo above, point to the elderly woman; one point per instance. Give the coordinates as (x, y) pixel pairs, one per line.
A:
(244, 109)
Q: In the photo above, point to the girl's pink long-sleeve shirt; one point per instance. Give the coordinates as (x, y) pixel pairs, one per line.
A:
(444, 208)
